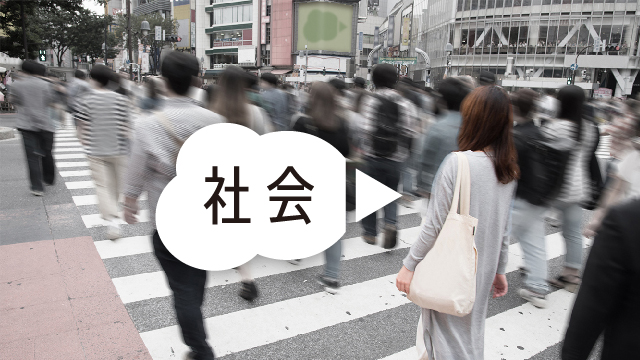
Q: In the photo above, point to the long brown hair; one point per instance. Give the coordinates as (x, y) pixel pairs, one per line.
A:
(487, 122)
(323, 107)
(231, 100)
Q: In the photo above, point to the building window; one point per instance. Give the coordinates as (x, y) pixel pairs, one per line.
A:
(266, 56)
(232, 14)
(268, 10)
(268, 33)
(229, 58)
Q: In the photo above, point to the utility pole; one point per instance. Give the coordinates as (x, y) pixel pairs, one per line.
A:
(306, 66)
(129, 40)
(573, 78)
(24, 31)
(106, 28)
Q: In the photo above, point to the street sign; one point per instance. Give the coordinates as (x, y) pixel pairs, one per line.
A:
(158, 33)
(398, 60)
(574, 67)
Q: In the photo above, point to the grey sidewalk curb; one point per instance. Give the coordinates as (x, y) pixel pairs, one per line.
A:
(6, 133)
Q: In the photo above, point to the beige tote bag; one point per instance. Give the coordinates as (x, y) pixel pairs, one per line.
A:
(445, 280)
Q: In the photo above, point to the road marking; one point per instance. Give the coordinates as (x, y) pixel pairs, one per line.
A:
(282, 320)
(154, 284)
(68, 144)
(75, 173)
(69, 164)
(70, 149)
(124, 246)
(69, 156)
(95, 220)
(82, 200)
(71, 185)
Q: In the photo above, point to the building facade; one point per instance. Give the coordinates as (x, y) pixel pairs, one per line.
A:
(532, 43)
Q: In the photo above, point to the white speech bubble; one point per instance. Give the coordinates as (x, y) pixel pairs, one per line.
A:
(185, 225)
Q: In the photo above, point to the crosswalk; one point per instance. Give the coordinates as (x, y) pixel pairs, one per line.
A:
(294, 318)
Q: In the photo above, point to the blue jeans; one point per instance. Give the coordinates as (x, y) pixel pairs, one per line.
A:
(572, 233)
(332, 257)
(527, 225)
(187, 284)
(387, 172)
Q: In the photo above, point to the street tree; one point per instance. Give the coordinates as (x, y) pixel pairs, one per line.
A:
(92, 36)
(21, 26)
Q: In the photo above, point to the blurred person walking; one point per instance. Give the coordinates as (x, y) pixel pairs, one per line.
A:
(576, 186)
(486, 141)
(390, 121)
(607, 302)
(324, 121)
(154, 95)
(32, 96)
(442, 137)
(158, 138)
(276, 103)
(231, 102)
(78, 88)
(537, 185)
(105, 118)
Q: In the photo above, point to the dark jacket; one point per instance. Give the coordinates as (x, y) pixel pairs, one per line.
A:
(522, 135)
(609, 297)
(339, 139)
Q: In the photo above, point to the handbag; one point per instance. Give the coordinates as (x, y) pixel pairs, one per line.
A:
(445, 280)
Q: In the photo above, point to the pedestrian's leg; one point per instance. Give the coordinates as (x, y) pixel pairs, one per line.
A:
(391, 180)
(187, 284)
(332, 257)
(111, 182)
(99, 175)
(48, 167)
(572, 233)
(248, 288)
(31, 144)
(528, 227)
(369, 222)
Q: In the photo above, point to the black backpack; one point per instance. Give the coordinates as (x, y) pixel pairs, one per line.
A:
(548, 160)
(386, 134)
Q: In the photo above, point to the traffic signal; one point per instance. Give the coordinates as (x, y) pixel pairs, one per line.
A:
(570, 78)
(172, 38)
(43, 55)
(324, 71)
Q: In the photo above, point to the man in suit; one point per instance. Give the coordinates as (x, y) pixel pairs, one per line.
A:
(609, 297)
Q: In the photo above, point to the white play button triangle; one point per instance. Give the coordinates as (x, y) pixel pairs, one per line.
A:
(371, 195)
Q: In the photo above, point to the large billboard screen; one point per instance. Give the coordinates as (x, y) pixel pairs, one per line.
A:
(325, 26)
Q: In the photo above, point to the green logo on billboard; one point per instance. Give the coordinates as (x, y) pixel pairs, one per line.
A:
(322, 25)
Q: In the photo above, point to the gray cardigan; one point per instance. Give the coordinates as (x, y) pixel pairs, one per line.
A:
(33, 96)
(454, 337)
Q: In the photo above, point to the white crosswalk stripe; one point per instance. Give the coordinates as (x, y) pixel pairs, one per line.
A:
(279, 326)
(68, 149)
(69, 156)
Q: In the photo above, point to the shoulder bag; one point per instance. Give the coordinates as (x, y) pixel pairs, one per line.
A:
(445, 280)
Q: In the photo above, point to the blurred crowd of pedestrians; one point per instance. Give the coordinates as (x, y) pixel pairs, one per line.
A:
(530, 156)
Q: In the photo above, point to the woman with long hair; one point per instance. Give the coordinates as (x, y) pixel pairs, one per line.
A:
(576, 187)
(232, 103)
(485, 139)
(323, 120)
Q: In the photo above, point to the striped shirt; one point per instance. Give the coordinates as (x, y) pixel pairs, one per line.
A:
(575, 187)
(108, 119)
(151, 166)
(408, 122)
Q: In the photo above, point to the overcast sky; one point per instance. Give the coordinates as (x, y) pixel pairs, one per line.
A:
(93, 6)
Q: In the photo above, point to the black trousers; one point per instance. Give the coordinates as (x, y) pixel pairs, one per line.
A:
(38, 146)
(187, 284)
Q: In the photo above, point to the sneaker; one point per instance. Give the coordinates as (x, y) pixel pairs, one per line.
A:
(37, 192)
(570, 283)
(248, 290)
(537, 300)
(390, 237)
(294, 262)
(371, 240)
(113, 230)
(330, 285)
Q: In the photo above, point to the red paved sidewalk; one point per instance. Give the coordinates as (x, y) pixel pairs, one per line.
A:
(58, 302)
